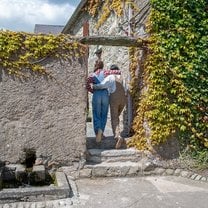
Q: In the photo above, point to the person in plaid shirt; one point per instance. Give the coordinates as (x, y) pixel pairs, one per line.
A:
(100, 98)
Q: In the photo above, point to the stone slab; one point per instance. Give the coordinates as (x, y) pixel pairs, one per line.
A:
(102, 155)
(114, 169)
(62, 190)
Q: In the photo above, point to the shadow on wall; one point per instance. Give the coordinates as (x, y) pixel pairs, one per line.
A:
(126, 129)
(169, 150)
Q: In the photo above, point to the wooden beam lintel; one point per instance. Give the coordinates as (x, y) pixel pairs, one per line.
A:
(114, 41)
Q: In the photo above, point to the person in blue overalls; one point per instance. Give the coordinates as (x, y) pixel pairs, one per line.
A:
(100, 98)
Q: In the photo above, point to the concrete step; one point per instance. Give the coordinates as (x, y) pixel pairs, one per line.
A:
(113, 155)
(106, 169)
(106, 143)
(116, 169)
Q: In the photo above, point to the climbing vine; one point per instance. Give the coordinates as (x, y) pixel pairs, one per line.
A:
(176, 71)
(137, 87)
(173, 102)
(103, 9)
(21, 53)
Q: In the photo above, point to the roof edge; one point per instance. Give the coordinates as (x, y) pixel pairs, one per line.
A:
(49, 25)
(73, 18)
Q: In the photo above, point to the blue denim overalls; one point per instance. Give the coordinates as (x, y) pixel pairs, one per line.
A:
(100, 103)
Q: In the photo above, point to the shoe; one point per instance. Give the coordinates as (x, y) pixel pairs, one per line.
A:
(99, 136)
(119, 142)
(104, 137)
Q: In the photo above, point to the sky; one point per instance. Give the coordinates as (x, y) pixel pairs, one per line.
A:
(22, 15)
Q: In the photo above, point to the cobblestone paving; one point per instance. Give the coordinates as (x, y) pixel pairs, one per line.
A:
(46, 204)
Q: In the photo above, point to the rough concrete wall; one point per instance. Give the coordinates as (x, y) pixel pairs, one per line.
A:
(47, 115)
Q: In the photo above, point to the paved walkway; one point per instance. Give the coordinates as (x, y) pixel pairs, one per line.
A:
(67, 203)
(148, 192)
(136, 192)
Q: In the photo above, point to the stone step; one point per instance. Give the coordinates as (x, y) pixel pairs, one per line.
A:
(113, 155)
(145, 167)
(106, 143)
(116, 169)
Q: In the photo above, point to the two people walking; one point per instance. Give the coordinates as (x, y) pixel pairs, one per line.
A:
(107, 89)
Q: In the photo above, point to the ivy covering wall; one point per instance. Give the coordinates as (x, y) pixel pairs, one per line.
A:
(174, 102)
(21, 53)
(176, 73)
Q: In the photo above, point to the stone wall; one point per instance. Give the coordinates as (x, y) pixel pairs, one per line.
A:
(115, 26)
(47, 115)
(111, 54)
